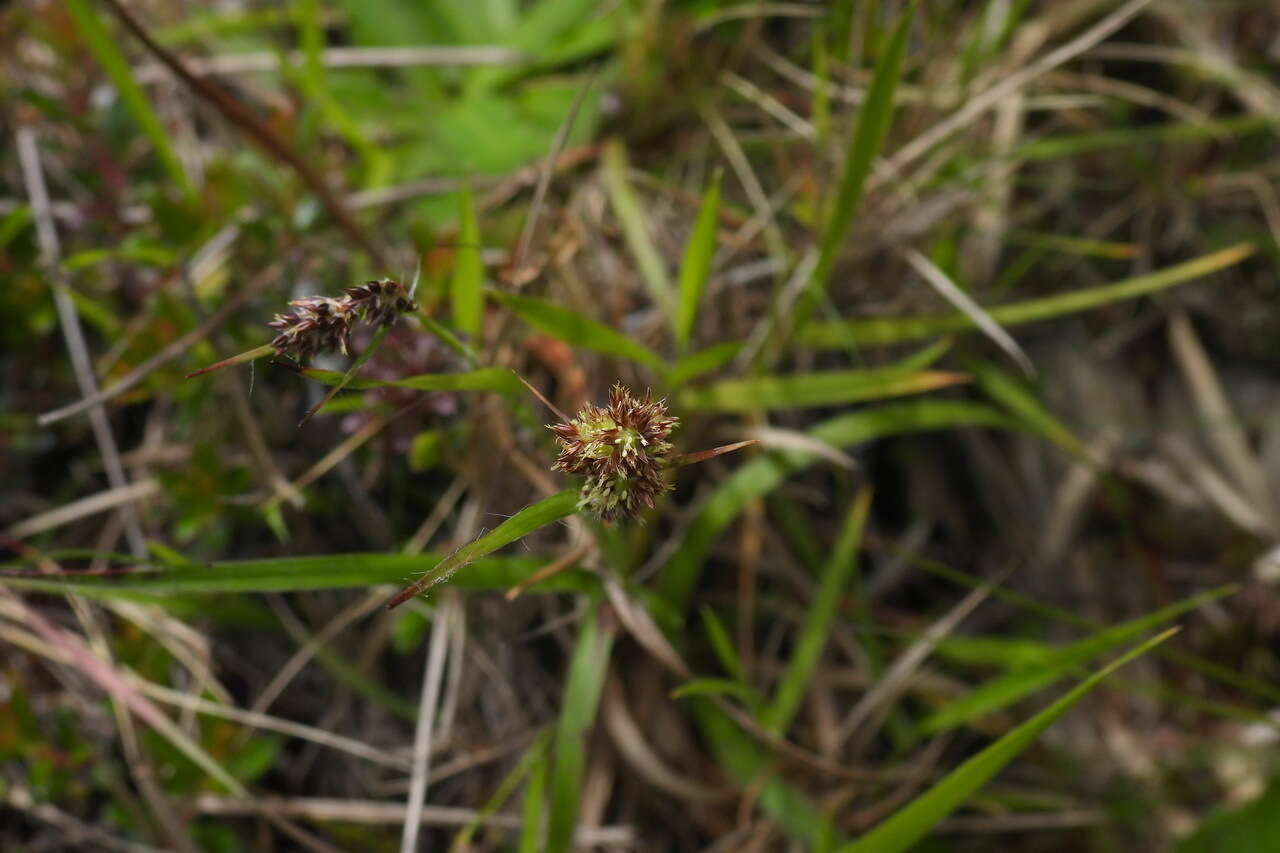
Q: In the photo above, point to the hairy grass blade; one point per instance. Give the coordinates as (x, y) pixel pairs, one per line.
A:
(527, 520)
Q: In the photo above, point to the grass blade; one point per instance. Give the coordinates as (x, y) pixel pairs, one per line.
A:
(914, 821)
(577, 330)
(104, 49)
(954, 294)
(485, 379)
(533, 811)
(466, 290)
(587, 670)
(695, 268)
(868, 136)
(693, 365)
(894, 330)
(350, 374)
(1009, 688)
(289, 574)
(534, 757)
(748, 763)
(525, 521)
(806, 390)
(764, 473)
(1023, 404)
(634, 225)
(818, 619)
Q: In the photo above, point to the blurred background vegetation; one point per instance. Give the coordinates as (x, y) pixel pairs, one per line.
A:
(990, 283)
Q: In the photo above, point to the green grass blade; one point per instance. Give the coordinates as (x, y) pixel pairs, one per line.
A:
(1020, 683)
(347, 377)
(723, 647)
(104, 49)
(914, 821)
(695, 268)
(533, 757)
(485, 379)
(467, 286)
(748, 763)
(1022, 403)
(806, 390)
(635, 227)
(715, 687)
(1250, 827)
(1070, 145)
(893, 330)
(533, 811)
(765, 473)
(587, 670)
(874, 118)
(818, 619)
(577, 330)
(693, 365)
(291, 574)
(524, 522)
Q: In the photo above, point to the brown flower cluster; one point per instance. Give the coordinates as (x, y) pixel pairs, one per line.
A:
(621, 448)
(322, 323)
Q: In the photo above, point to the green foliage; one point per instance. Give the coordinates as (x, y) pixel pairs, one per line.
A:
(695, 269)
(467, 290)
(913, 822)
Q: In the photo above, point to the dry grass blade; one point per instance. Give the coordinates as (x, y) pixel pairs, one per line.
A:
(165, 355)
(33, 177)
(1222, 426)
(67, 513)
(979, 104)
(428, 706)
(896, 676)
(947, 288)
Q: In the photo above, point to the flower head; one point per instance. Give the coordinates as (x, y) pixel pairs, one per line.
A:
(621, 448)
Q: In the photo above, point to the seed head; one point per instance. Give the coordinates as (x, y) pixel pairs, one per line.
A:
(380, 302)
(317, 324)
(621, 448)
(322, 323)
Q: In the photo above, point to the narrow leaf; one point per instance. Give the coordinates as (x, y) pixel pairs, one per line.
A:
(913, 822)
(484, 379)
(868, 137)
(635, 225)
(527, 520)
(806, 390)
(893, 330)
(587, 670)
(105, 49)
(1020, 683)
(695, 269)
(576, 329)
(467, 291)
(818, 619)
(765, 472)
